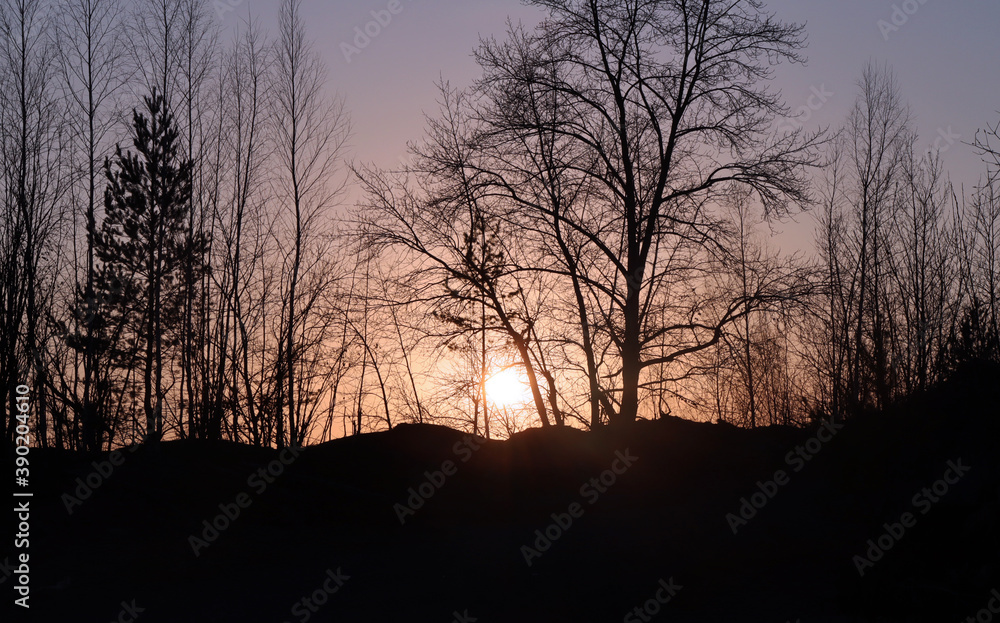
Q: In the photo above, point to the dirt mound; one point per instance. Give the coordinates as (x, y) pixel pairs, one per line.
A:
(891, 516)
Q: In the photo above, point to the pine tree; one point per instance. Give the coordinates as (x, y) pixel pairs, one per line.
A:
(144, 245)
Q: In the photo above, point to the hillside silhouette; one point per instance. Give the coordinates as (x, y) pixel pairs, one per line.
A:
(332, 513)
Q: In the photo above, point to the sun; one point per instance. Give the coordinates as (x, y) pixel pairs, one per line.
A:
(508, 388)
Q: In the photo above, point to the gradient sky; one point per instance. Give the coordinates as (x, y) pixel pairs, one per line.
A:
(944, 55)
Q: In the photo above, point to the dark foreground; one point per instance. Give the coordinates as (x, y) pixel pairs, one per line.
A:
(323, 539)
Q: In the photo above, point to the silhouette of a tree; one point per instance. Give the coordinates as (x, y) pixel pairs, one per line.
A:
(143, 244)
(606, 135)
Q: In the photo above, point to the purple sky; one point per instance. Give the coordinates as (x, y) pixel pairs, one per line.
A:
(944, 55)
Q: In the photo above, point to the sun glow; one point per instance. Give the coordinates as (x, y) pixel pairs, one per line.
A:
(508, 388)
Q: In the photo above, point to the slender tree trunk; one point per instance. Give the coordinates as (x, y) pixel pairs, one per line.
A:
(631, 353)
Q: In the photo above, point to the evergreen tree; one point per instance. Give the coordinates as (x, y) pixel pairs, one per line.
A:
(144, 244)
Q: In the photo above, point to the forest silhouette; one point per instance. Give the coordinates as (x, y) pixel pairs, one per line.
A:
(552, 367)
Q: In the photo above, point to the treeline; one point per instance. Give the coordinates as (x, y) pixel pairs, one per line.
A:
(911, 264)
(908, 272)
(170, 261)
(594, 210)
(178, 260)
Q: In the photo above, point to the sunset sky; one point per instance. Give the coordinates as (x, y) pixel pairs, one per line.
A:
(944, 55)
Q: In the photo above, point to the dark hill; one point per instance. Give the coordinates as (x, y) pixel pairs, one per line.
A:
(334, 511)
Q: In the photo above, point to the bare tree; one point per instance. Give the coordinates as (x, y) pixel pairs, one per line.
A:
(878, 133)
(200, 117)
(922, 271)
(987, 143)
(891, 251)
(664, 105)
(986, 222)
(31, 144)
(752, 372)
(93, 74)
(598, 148)
(461, 263)
(831, 344)
(975, 329)
(156, 47)
(311, 133)
(242, 233)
